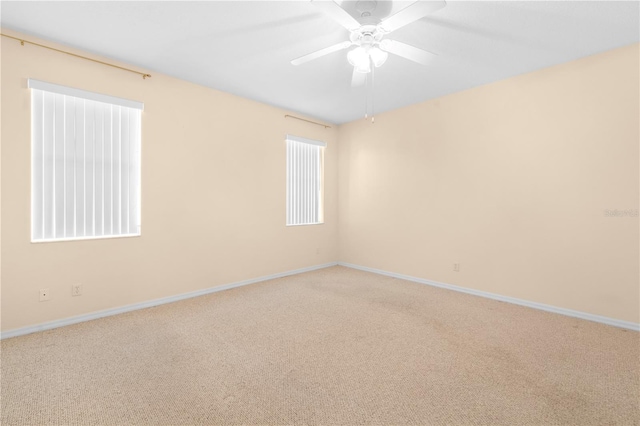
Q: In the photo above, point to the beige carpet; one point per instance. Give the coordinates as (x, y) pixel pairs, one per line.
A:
(334, 346)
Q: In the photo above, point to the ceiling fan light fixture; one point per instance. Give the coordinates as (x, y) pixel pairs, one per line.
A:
(378, 56)
(359, 58)
(364, 69)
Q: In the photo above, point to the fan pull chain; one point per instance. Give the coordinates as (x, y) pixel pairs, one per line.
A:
(370, 87)
(373, 118)
(366, 97)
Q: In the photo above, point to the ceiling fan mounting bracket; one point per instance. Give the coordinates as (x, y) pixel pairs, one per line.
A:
(365, 7)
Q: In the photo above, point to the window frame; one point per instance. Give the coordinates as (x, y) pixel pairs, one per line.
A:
(134, 138)
(295, 214)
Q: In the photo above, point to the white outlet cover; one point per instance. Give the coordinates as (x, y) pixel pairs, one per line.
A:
(45, 294)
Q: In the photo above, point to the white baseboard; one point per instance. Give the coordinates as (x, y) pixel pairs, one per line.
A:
(115, 311)
(156, 302)
(562, 311)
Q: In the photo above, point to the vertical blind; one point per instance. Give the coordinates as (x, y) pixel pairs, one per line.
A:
(85, 164)
(304, 181)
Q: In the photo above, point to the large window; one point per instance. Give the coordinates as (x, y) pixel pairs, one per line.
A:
(85, 170)
(305, 163)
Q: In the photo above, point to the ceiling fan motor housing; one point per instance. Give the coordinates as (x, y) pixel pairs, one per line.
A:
(366, 35)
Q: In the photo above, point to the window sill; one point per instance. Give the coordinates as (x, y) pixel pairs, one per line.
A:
(98, 237)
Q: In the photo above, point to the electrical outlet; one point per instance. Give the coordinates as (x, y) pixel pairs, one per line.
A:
(456, 267)
(76, 290)
(45, 294)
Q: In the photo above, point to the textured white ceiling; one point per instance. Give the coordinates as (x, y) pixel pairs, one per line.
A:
(245, 47)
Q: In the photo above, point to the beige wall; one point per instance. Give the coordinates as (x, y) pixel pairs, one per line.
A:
(213, 195)
(511, 180)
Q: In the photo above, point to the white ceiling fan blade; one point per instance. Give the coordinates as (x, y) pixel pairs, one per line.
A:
(358, 79)
(321, 52)
(411, 13)
(337, 13)
(407, 51)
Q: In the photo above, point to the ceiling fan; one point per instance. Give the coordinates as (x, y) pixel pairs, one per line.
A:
(368, 37)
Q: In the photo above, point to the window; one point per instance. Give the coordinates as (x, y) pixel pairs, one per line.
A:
(85, 164)
(305, 162)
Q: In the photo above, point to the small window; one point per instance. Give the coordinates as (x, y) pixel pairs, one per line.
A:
(305, 175)
(85, 164)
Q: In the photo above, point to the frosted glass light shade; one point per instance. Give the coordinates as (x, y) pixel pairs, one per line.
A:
(359, 58)
(378, 56)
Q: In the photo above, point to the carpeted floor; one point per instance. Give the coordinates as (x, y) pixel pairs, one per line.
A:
(334, 346)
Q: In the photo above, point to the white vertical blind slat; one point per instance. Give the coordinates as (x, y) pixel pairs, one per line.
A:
(69, 167)
(36, 169)
(84, 167)
(41, 165)
(305, 180)
(124, 161)
(117, 157)
(53, 165)
(307, 194)
(79, 165)
(312, 183)
(103, 180)
(319, 188)
(293, 183)
(111, 161)
(301, 194)
(58, 167)
(98, 161)
(47, 163)
(133, 175)
(129, 173)
(75, 167)
(288, 179)
(310, 150)
(305, 187)
(89, 175)
(296, 198)
(93, 178)
(138, 173)
(313, 188)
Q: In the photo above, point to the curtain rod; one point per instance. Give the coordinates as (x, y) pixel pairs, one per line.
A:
(23, 41)
(308, 121)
